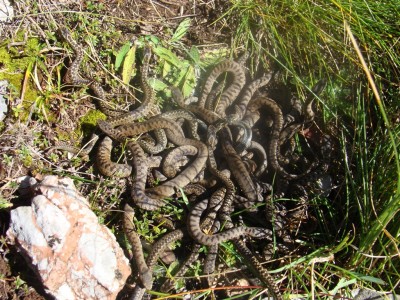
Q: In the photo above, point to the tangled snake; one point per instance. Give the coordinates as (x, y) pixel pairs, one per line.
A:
(222, 113)
(112, 169)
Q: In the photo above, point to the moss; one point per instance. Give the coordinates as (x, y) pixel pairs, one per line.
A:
(86, 127)
(13, 60)
(63, 135)
(14, 64)
(88, 122)
(25, 156)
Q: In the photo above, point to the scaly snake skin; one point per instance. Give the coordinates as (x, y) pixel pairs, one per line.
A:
(230, 119)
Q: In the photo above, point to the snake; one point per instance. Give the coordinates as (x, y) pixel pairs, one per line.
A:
(240, 245)
(157, 249)
(237, 68)
(260, 151)
(183, 268)
(239, 80)
(140, 166)
(242, 102)
(106, 166)
(174, 133)
(239, 170)
(75, 78)
(227, 115)
(228, 185)
(245, 182)
(307, 112)
(251, 117)
(155, 148)
(145, 273)
(193, 122)
(215, 205)
(173, 159)
(208, 225)
(199, 236)
(255, 265)
(240, 173)
(118, 117)
(148, 102)
(160, 134)
(104, 153)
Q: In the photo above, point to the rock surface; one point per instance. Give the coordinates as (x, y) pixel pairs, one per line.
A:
(61, 239)
(3, 93)
(365, 294)
(6, 11)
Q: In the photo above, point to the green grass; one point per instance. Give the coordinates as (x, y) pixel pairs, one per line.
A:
(307, 41)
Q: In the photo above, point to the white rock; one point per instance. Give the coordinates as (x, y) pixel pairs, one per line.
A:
(75, 256)
(26, 185)
(366, 294)
(3, 92)
(6, 11)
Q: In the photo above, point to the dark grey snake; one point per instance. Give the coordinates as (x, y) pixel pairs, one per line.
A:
(227, 117)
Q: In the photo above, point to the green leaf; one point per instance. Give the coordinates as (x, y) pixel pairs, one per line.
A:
(153, 39)
(4, 203)
(373, 279)
(129, 65)
(157, 84)
(194, 54)
(189, 81)
(166, 68)
(341, 284)
(181, 30)
(369, 278)
(121, 54)
(345, 242)
(184, 197)
(167, 55)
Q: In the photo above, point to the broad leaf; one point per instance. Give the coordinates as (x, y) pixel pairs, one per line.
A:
(121, 54)
(129, 65)
(181, 30)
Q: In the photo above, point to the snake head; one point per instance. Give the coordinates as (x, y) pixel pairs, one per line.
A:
(177, 95)
(154, 194)
(64, 32)
(147, 279)
(147, 52)
(212, 139)
(175, 92)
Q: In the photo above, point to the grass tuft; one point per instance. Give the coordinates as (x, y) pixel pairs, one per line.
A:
(354, 46)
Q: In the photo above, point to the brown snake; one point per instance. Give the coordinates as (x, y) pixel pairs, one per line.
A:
(209, 240)
(251, 117)
(154, 195)
(171, 160)
(106, 166)
(225, 66)
(112, 169)
(145, 273)
(223, 113)
(74, 77)
(147, 105)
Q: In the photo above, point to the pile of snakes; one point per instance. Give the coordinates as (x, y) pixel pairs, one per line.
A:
(233, 152)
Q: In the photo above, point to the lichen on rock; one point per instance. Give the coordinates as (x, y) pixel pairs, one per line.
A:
(62, 240)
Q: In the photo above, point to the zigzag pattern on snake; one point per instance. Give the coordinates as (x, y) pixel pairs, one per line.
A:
(230, 119)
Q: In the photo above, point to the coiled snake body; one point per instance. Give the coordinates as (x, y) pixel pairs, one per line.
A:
(229, 117)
